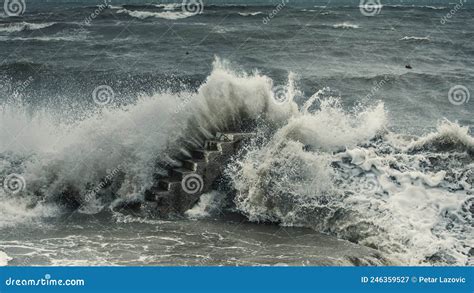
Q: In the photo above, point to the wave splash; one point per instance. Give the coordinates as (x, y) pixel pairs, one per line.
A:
(343, 173)
(115, 153)
(313, 164)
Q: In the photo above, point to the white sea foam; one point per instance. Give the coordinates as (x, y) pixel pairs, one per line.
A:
(74, 38)
(413, 38)
(346, 25)
(4, 259)
(418, 6)
(208, 204)
(24, 26)
(377, 198)
(171, 6)
(171, 15)
(250, 13)
(380, 199)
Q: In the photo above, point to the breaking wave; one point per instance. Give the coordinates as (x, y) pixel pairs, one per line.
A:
(24, 26)
(417, 6)
(250, 13)
(313, 164)
(412, 38)
(147, 14)
(346, 25)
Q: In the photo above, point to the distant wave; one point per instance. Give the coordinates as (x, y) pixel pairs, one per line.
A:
(43, 39)
(412, 38)
(417, 6)
(315, 10)
(24, 26)
(250, 13)
(346, 25)
(147, 14)
(177, 6)
(375, 6)
(171, 6)
(405, 6)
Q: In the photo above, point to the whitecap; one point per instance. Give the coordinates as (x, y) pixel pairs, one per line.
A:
(147, 14)
(24, 26)
(171, 6)
(250, 13)
(346, 25)
(413, 38)
(418, 6)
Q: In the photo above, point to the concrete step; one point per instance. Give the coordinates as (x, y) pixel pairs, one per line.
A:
(159, 192)
(203, 154)
(213, 145)
(233, 136)
(164, 202)
(223, 136)
(216, 145)
(180, 173)
(167, 184)
(193, 164)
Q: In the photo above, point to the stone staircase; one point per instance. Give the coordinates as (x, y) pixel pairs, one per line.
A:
(182, 188)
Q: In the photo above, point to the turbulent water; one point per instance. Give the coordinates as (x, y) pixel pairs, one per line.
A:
(357, 160)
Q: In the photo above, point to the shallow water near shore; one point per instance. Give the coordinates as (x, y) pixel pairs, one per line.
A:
(216, 242)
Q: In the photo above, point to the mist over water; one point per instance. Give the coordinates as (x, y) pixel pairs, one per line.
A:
(375, 156)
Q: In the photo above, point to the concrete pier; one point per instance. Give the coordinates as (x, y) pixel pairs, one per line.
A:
(183, 186)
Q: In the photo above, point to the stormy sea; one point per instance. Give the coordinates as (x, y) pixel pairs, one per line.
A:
(363, 146)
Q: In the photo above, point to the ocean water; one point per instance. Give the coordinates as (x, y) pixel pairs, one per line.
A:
(357, 159)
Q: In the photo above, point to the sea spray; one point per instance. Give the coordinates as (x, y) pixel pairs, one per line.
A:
(64, 163)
